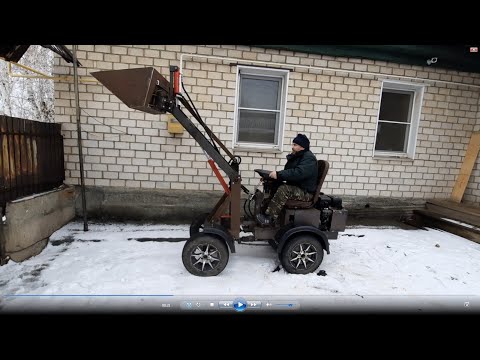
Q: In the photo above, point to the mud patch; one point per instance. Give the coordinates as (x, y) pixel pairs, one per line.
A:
(159, 239)
(31, 275)
(66, 240)
(70, 239)
(353, 235)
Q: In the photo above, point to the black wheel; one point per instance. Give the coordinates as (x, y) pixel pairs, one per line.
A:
(205, 255)
(302, 254)
(197, 224)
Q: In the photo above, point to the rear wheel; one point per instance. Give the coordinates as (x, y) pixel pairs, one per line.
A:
(205, 255)
(302, 254)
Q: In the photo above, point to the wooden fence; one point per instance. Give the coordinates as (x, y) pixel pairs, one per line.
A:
(31, 158)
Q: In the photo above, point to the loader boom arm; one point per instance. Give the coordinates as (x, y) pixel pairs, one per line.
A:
(204, 143)
(147, 90)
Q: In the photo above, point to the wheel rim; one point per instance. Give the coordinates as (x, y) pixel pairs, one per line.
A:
(205, 257)
(303, 256)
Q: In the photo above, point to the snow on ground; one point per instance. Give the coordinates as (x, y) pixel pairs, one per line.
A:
(108, 260)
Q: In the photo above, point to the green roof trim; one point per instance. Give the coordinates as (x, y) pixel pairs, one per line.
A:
(452, 57)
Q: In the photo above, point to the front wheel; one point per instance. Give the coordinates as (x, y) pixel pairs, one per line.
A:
(302, 254)
(205, 255)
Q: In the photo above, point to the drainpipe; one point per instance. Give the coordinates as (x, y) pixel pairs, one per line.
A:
(79, 137)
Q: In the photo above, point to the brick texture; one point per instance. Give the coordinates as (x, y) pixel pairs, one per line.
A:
(336, 110)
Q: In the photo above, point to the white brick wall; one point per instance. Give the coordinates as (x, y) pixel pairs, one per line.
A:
(336, 110)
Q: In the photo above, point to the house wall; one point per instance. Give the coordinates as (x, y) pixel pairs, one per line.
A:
(336, 110)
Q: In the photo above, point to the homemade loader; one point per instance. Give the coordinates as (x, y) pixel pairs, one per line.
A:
(300, 235)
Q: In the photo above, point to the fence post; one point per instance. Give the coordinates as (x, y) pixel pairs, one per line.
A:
(79, 136)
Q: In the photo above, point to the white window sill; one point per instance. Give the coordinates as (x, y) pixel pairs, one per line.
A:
(387, 156)
(253, 148)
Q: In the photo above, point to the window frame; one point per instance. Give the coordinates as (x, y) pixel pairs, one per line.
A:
(415, 111)
(261, 72)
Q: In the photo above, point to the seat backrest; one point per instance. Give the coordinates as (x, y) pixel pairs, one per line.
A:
(322, 172)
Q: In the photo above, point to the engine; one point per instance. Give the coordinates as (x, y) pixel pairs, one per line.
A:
(331, 213)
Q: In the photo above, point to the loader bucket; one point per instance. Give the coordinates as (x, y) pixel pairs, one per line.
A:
(135, 87)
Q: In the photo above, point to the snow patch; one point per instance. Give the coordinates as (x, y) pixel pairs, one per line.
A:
(107, 260)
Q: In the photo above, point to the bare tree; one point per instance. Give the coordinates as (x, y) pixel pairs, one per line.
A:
(28, 98)
(5, 90)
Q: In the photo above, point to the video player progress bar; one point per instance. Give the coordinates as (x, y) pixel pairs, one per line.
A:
(85, 295)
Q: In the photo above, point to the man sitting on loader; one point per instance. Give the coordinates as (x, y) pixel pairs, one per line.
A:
(300, 174)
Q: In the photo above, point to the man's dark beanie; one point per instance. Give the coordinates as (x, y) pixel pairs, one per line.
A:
(303, 141)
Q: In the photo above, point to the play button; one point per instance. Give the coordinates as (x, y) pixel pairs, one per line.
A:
(239, 304)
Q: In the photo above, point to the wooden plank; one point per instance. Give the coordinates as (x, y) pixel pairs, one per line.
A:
(62, 156)
(455, 215)
(460, 207)
(38, 156)
(36, 187)
(61, 166)
(51, 156)
(42, 157)
(467, 167)
(28, 154)
(40, 170)
(11, 160)
(54, 155)
(18, 161)
(6, 158)
(2, 174)
(47, 153)
(24, 159)
(434, 220)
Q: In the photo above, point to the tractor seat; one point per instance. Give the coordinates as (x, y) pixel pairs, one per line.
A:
(322, 172)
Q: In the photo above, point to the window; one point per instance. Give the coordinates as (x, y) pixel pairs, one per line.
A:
(260, 108)
(398, 119)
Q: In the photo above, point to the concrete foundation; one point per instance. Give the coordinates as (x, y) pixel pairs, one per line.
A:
(169, 206)
(28, 252)
(365, 207)
(31, 220)
(181, 206)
